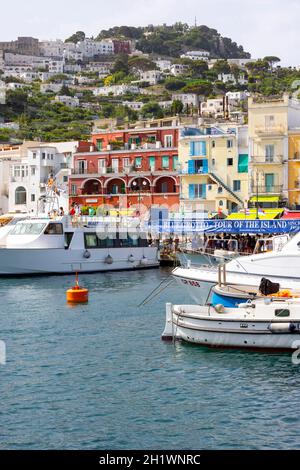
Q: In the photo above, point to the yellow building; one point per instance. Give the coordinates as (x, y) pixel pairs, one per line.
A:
(294, 168)
(269, 123)
(213, 163)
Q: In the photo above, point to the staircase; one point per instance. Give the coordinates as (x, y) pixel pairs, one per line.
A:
(226, 187)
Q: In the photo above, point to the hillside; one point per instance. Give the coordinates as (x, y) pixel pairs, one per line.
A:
(174, 40)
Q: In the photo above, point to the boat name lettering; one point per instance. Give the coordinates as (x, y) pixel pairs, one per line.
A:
(191, 283)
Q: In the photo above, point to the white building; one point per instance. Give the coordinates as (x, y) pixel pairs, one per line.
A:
(163, 65)
(56, 66)
(187, 99)
(178, 69)
(213, 108)
(151, 76)
(70, 101)
(196, 55)
(116, 90)
(50, 87)
(55, 48)
(230, 78)
(135, 105)
(237, 95)
(90, 48)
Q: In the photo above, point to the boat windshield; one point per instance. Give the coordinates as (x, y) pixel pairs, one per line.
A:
(33, 228)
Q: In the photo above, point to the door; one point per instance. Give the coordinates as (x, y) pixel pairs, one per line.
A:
(152, 163)
(102, 166)
(269, 182)
(82, 165)
(115, 165)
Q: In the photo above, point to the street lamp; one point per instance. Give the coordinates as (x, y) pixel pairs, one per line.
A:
(137, 184)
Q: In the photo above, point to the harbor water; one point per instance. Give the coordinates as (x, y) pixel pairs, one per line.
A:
(98, 376)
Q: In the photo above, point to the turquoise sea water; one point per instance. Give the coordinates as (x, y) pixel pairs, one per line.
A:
(99, 377)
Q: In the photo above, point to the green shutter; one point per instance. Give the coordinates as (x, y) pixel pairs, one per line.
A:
(165, 162)
(243, 163)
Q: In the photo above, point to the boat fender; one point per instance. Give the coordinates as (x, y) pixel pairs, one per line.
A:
(131, 259)
(282, 327)
(144, 261)
(219, 308)
(87, 254)
(109, 259)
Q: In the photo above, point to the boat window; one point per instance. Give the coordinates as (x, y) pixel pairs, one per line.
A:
(68, 239)
(91, 240)
(282, 313)
(27, 229)
(54, 229)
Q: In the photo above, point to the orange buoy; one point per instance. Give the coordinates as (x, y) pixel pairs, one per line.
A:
(77, 294)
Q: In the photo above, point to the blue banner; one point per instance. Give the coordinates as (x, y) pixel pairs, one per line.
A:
(185, 226)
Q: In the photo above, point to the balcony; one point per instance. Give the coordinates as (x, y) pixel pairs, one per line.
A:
(267, 131)
(267, 160)
(275, 189)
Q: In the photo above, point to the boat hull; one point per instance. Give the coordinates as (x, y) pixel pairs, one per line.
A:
(232, 328)
(15, 262)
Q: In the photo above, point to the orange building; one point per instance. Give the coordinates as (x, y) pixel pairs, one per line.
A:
(294, 169)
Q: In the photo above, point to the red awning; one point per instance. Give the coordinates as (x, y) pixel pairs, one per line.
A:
(291, 215)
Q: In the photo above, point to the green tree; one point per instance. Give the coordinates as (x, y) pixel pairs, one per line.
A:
(177, 107)
(152, 109)
(77, 37)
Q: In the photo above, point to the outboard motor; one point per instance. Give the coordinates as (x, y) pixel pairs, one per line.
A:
(268, 287)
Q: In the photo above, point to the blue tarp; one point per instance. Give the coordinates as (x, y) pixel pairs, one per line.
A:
(226, 226)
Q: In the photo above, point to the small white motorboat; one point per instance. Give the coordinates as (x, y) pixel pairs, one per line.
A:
(268, 323)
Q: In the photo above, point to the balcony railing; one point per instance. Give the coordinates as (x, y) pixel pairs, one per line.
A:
(270, 130)
(266, 189)
(267, 160)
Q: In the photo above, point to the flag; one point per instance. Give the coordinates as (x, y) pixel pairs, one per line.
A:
(260, 211)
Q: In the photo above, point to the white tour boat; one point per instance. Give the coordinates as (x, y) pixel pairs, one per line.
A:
(57, 246)
(260, 324)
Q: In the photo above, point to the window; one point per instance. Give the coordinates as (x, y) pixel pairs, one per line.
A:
(198, 149)
(175, 162)
(81, 165)
(54, 229)
(236, 185)
(27, 229)
(269, 153)
(229, 161)
(91, 240)
(126, 162)
(43, 156)
(165, 162)
(197, 191)
(169, 141)
(213, 144)
(34, 155)
(152, 163)
(229, 143)
(65, 179)
(282, 313)
(73, 189)
(68, 239)
(32, 197)
(99, 144)
(269, 121)
(32, 170)
(16, 171)
(20, 195)
(243, 163)
(138, 162)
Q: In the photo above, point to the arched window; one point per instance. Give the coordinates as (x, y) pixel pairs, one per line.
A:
(20, 195)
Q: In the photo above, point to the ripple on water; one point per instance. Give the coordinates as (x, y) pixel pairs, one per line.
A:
(98, 376)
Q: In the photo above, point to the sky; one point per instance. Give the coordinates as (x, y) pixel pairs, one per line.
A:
(262, 27)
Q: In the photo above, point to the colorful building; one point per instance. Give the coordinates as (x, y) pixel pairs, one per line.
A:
(294, 169)
(213, 165)
(269, 122)
(129, 167)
